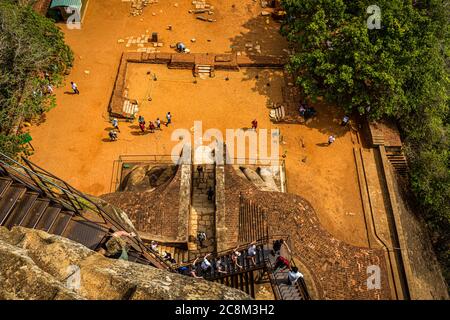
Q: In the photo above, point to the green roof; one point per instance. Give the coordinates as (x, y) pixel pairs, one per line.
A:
(66, 3)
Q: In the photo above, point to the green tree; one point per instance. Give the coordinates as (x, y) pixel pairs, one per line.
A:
(399, 70)
(30, 47)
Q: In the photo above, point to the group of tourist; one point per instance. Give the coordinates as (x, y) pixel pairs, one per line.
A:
(308, 112)
(282, 263)
(152, 126)
(202, 267)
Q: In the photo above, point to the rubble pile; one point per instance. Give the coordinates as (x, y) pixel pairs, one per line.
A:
(137, 6)
(201, 7)
(143, 43)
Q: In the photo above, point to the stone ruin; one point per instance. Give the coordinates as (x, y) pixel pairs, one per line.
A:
(137, 6)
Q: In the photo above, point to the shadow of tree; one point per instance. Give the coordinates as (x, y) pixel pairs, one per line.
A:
(274, 83)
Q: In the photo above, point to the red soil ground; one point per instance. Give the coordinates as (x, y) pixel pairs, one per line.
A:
(72, 143)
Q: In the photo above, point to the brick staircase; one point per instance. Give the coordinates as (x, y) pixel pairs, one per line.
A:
(252, 222)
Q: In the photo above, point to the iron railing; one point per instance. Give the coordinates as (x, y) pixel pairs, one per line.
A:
(61, 192)
(267, 265)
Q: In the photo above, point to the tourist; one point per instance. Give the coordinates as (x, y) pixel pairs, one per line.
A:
(210, 193)
(169, 119)
(302, 110)
(254, 124)
(331, 139)
(235, 257)
(142, 126)
(151, 127)
(112, 135)
(115, 124)
(184, 270)
(194, 268)
(293, 276)
(181, 47)
(277, 244)
(158, 124)
(251, 253)
(220, 266)
(201, 237)
(281, 263)
(206, 265)
(75, 88)
(116, 247)
(141, 119)
(200, 171)
(50, 89)
(154, 245)
(345, 120)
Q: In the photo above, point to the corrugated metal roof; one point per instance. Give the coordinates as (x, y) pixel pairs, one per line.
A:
(66, 3)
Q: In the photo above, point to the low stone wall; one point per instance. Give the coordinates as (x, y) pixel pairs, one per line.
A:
(182, 61)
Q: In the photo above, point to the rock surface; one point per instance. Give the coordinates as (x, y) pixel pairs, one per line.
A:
(37, 265)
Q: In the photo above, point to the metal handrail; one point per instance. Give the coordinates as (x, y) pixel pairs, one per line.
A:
(71, 193)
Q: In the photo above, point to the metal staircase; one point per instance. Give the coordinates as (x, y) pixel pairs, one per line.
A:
(33, 198)
(250, 274)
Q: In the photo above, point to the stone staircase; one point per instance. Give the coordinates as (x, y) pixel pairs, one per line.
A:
(398, 160)
(204, 71)
(277, 114)
(202, 215)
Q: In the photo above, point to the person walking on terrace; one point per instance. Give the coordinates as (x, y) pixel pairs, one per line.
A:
(151, 127)
(115, 124)
(158, 124)
(169, 119)
(345, 120)
(142, 126)
(331, 139)
(112, 135)
(75, 88)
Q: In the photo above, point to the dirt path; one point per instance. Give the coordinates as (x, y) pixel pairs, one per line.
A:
(73, 144)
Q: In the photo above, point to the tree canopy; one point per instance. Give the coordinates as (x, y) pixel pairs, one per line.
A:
(31, 46)
(400, 70)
